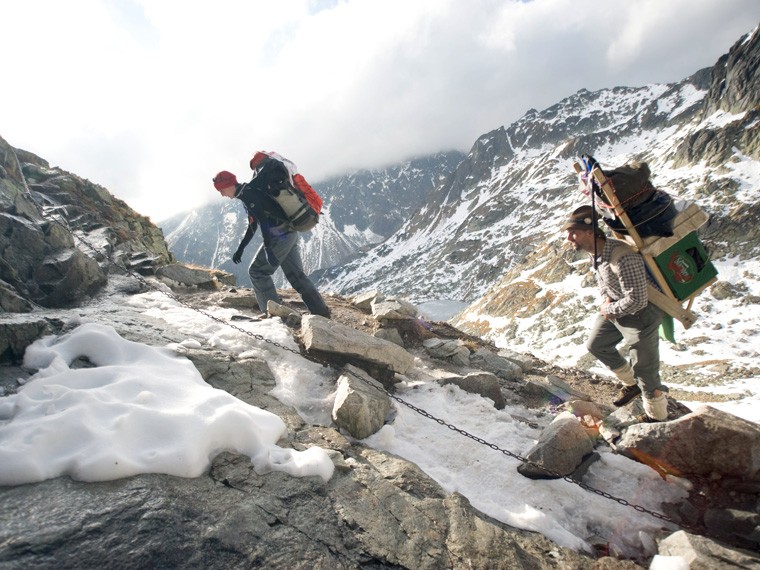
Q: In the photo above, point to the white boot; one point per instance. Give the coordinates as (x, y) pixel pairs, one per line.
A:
(656, 407)
(625, 375)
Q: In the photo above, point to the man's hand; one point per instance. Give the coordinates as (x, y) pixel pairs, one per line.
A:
(604, 309)
(236, 258)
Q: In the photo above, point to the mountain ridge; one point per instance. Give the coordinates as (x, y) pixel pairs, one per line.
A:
(493, 207)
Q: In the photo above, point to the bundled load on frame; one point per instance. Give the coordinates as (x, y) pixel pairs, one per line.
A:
(651, 210)
(662, 229)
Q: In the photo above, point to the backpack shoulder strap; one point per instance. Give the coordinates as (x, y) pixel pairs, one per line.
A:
(618, 253)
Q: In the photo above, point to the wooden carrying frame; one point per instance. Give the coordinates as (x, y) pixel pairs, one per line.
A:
(648, 248)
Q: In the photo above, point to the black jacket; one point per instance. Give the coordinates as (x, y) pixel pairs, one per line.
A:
(261, 207)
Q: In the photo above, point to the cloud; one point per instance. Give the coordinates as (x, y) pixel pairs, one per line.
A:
(151, 98)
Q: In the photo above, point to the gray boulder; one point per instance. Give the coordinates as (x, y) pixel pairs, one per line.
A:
(393, 310)
(41, 264)
(701, 553)
(18, 332)
(289, 316)
(736, 526)
(391, 335)
(503, 367)
(482, 383)
(556, 389)
(364, 301)
(707, 442)
(524, 361)
(621, 419)
(240, 298)
(323, 335)
(67, 277)
(361, 403)
(200, 277)
(559, 451)
(11, 301)
(453, 350)
(583, 408)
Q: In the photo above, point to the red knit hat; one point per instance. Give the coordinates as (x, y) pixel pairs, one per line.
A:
(224, 179)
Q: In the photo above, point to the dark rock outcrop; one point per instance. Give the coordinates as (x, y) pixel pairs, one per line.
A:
(70, 229)
(48, 270)
(735, 81)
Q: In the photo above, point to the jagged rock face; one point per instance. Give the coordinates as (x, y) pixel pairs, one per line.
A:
(360, 210)
(735, 82)
(92, 213)
(39, 263)
(734, 88)
(46, 212)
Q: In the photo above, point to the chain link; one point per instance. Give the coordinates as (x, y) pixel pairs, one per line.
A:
(401, 401)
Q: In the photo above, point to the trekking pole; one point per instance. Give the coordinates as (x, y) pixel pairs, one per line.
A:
(587, 162)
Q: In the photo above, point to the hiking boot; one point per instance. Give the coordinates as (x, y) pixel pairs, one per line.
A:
(626, 394)
(656, 406)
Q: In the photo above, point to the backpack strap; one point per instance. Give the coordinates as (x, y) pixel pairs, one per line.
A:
(619, 252)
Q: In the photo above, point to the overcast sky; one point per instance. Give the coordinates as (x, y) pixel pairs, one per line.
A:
(150, 98)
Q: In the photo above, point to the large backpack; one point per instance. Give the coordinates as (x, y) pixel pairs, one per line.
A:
(651, 210)
(300, 202)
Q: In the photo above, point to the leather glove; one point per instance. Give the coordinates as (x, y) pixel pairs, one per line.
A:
(236, 258)
(271, 257)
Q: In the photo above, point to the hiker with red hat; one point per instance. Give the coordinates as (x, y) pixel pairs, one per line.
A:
(625, 314)
(280, 247)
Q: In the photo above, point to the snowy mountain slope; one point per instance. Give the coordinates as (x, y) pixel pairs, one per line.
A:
(206, 234)
(507, 197)
(361, 209)
(706, 150)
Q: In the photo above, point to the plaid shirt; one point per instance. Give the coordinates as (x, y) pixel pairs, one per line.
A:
(625, 286)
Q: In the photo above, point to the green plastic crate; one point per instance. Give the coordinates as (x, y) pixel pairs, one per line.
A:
(686, 266)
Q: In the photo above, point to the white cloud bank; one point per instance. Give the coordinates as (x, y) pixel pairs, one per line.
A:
(151, 98)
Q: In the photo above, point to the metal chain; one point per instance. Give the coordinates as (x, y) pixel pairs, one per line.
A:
(430, 416)
(554, 474)
(398, 399)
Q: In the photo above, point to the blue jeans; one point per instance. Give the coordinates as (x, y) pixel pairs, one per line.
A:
(284, 245)
(640, 332)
